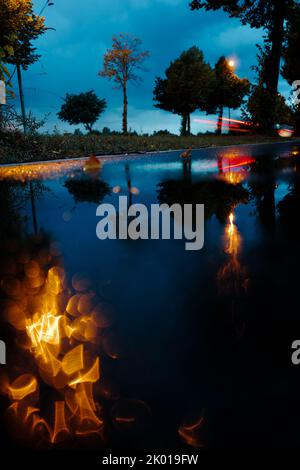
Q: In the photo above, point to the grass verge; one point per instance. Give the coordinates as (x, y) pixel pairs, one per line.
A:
(17, 148)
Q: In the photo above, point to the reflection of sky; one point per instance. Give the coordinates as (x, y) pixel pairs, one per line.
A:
(283, 188)
(199, 166)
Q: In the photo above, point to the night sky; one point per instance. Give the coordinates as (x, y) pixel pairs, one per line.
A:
(72, 55)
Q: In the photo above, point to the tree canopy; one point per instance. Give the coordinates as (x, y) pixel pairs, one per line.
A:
(188, 82)
(84, 108)
(271, 16)
(121, 64)
(229, 90)
(254, 111)
(19, 26)
(256, 13)
(291, 66)
(291, 50)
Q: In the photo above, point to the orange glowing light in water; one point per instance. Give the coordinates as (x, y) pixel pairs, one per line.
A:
(231, 222)
(232, 245)
(232, 277)
(193, 433)
(40, 171)
(60, 426)
(234, 177)
(233, 238)
(23, 386)
(59, 324)
(91, 376)
(73, 360)
(44, 330)
(234, 168)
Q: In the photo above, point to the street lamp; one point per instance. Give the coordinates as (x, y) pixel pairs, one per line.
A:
(47, 4)
(19, 74)
(231, 64)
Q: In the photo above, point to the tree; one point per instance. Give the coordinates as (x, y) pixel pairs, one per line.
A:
(186, 88)
(5, 77)
(259, 99)
(270, 15)
(229, 90)
(84, 108)
(291, 67)
(254, 110)
(4, 73)
(19, 26)
(106, 131)
(121, 64)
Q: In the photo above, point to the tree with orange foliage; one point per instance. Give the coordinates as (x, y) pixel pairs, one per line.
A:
(121, 64)
(19, 26)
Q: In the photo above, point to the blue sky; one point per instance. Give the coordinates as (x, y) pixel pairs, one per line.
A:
(72, 55)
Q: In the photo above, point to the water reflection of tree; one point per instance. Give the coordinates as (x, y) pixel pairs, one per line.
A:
(187, 169)
(18, 249)
(10, 208)
(262, 185)
(14, 197)
(34, 192)
(218, 197)
(87, 189)
(289, 206)
(129, 184)
(262, 188)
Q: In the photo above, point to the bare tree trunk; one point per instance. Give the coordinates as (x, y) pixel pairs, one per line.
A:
(184, 124)
(33, 209)
(22, 102)
(189, 124)
(129, 185)
(124, 127)
(297, 121)
(273, 71)
(1, 117)
(220, 121)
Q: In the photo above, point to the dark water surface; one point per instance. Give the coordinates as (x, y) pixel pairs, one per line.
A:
(203, 334)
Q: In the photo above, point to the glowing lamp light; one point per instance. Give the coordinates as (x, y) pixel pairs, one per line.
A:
(285, 132)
